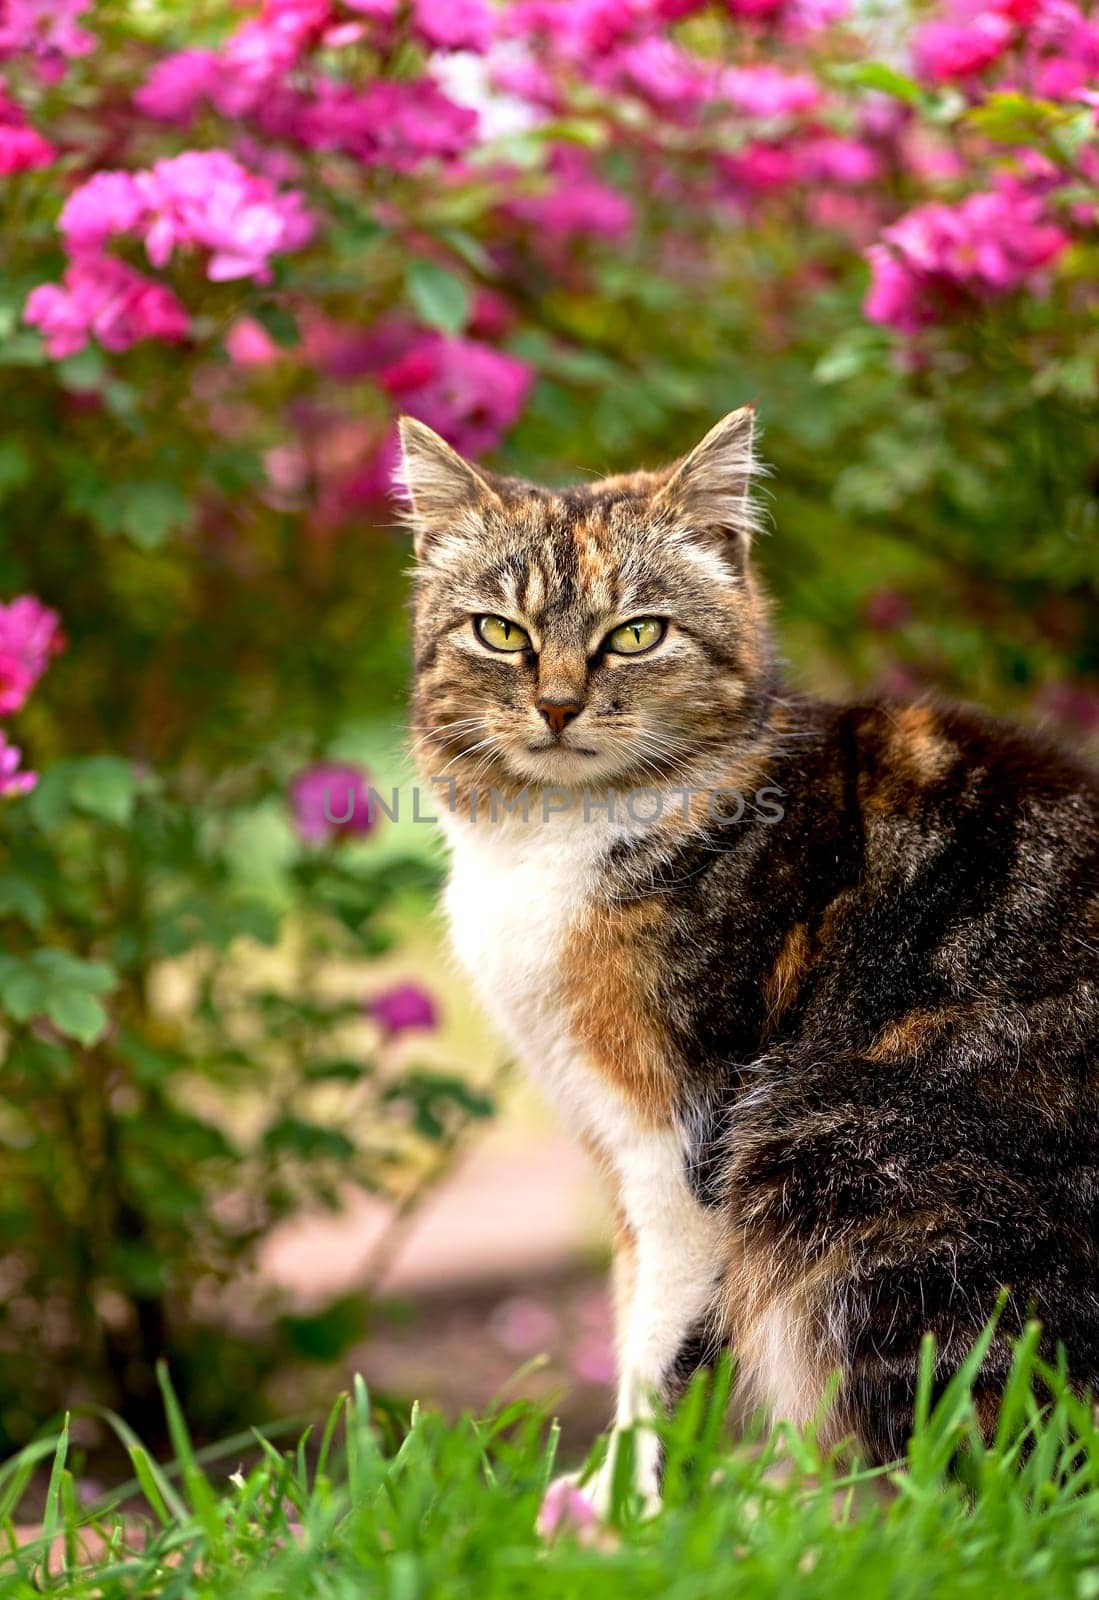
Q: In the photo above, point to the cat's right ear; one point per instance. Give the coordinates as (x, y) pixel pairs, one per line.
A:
(710, 490)
(445, 494)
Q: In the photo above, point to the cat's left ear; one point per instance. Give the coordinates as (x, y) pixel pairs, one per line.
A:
(445, 492)
(711, 488)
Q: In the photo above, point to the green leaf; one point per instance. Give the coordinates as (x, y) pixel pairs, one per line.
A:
(854, 353)
(77, 1015)
(590, 132)
(84, 372)
(147, 511)
(432, 1097)
(234, 468)
(105, 786)
(151, 512)
(1012, 118)
(279, 322)
(339, 1070)
(62, 967)
(306, 1139)
(885, 79)
(48, 802)
(440, 299)
(59, 985)
(23, 992)
(19, 897)
(23, 348)
(15, 466)
(471, 250)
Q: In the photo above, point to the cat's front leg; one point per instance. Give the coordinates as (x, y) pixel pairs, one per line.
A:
(675, 1265)
(669, 1263)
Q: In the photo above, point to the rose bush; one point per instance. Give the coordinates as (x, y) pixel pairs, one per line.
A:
(570, 232)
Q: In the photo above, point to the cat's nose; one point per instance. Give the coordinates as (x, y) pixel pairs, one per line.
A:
(559, 713)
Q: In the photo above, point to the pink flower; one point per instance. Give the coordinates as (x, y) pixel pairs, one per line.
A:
(989, 244)
(257, 54)
(453, 24)
(331, 798)
(201, 197)
(262, 51)
(895, 297)
(593, 1361)
(576, 29)
(809, 16)
(249, 344)
(947, 50)
(1061, 78)
(523, 76)
(249, 76)
(832, 159)
(766, 91)
(886, 610)
(207, 198)
(491, 315)
(12, 781)
(22, 148)
(45, 30)
(466, 391)
(108, 203)
(402, 1008)
(761, 166)
(565, 1508)
(106, 299)
(577, 204)
(1062, 30)
(30, 633)
(525, 1326)
(177, 84)
(392, 124)
(657, 70)
(287, 470)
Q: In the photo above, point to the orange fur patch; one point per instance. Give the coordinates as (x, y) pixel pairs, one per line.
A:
(918, 746)
(905, 1036)
(782, 983)
(608, 978)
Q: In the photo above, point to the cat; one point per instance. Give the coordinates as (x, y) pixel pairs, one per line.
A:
(815, 983)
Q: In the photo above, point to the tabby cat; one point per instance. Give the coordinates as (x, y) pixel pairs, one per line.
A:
(815, 983)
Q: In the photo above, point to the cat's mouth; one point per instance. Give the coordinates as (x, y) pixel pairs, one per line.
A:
(562, 749)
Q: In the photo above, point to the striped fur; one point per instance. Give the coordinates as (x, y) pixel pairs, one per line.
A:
(830, 1024)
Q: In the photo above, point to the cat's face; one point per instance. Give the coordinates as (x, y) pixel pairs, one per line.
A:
(596, 636)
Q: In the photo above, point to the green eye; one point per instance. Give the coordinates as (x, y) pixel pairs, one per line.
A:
(500, 634)
(634, 637)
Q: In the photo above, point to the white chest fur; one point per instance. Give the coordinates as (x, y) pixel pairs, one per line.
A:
(515, 893)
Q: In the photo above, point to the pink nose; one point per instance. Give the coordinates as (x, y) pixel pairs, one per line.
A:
(559, 713)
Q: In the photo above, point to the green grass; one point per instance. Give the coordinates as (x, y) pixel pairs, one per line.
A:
(451, 1510)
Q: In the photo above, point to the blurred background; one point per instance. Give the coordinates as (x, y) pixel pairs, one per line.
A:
(249, 1120)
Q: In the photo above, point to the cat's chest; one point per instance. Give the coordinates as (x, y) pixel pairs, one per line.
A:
(517, 901)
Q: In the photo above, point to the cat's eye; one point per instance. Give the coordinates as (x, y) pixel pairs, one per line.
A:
(632, 638)
(500, 634)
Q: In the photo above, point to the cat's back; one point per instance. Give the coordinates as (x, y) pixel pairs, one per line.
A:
(946, 751)
(949, 793)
